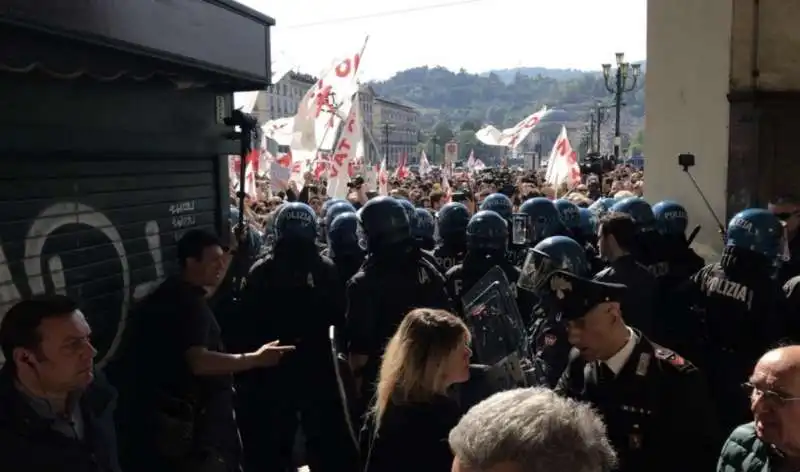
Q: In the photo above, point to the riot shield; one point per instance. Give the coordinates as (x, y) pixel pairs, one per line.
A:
(339, 365)
(498, 333)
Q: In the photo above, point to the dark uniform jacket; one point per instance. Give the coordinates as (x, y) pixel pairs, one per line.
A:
(28, 442)
(657, 409)
(639, 303)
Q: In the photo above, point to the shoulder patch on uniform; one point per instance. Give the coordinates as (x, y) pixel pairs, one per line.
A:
(672, 357)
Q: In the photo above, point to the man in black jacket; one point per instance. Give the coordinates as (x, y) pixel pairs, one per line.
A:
(53, 415)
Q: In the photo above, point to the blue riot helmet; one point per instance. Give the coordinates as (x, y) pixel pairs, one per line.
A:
(601, 206)
(588, 223)
(551, 254)
(500, 204)
(452, 221)
(335, 210)
(541, 220)
(343, 235)
(569, 214)
(329, 203)
(383, 222)
(487, 231)
(639, 210)
(671, 218)
(759, 231)
(423, 227)
(409, 208)
(296, 221)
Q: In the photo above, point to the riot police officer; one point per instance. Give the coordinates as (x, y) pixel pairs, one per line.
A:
(549, 343)
(343, 245)
(411, 213)
(589, 226)
(394, 279)
(423, 228)
(503, 206)
(321, 220)
(571, 216)
(740, 307)
(330, 214)
(451, 225)
(601, 206)
(541, 220)
(650, 246)
(672, 221)
(487, 240)
(294, 294)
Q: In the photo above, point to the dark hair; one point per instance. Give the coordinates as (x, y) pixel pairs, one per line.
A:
(436, 197)
(621, 226)
(193, 243)
(20, 327)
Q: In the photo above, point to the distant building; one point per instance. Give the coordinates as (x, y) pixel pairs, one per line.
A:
(395, 127)
(282, 99)
(366, 97)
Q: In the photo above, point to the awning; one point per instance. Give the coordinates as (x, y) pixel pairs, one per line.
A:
(217, 43)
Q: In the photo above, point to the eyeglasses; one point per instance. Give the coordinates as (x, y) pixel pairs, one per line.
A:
(776, 398)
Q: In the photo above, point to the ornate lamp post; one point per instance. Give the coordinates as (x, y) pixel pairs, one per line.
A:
(618, 83)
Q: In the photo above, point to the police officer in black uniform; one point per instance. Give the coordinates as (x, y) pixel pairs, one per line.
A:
(672, 220)
(542, 220)
(394, 279)
(331, 213)
(487, 240)
(294, 295)
(503, 206)
(323, 229)
(549, 345)
(343, 245)
(423, 228)
(571, 216)
(451, 226)
(411, 213)
(740, 308)
(617, 242)
(656, 404)
(650, 250)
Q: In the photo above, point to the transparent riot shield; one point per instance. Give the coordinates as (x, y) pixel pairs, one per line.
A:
(498, 333)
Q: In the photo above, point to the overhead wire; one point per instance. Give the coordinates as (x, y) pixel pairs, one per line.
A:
(385, 13)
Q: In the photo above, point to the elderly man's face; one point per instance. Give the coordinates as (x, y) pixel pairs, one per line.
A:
(775, 399)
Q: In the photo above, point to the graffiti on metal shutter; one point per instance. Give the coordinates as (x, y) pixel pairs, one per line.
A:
(96, 243)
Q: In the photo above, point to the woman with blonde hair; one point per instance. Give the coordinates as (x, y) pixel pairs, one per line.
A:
(412, 414)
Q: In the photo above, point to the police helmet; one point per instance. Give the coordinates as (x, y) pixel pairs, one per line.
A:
(551, 254)
(601, 206)
(500, 204)
(569, 214)
(329, 203)
(671, 217)
(759, 231)
(343, 235)
(542, 219)
(639, 210)
(452, 220)
(588, 223)
(383, 221)
(487, 231)
(337, 209)
(296, 221)
(423, 226)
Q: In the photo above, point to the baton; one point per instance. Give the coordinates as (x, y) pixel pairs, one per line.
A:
(692, 235)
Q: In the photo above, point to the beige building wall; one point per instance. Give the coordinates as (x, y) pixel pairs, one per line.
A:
(688, 70)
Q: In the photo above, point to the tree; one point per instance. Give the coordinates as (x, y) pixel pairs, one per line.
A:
(637, 145)
(443, 132)
(469, 125)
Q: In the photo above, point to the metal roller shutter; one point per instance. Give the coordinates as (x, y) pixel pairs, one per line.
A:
(101, 231)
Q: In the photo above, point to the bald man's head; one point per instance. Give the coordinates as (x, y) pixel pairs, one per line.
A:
(775, 398)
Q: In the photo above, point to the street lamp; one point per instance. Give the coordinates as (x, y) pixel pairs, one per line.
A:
(386, 127)
(625, 70)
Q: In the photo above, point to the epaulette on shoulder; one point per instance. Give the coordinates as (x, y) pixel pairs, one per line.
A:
(673, 358)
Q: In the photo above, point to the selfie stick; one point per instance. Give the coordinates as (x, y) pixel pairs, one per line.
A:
(705, 200)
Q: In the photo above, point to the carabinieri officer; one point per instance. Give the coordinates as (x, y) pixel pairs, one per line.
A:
(654, 402)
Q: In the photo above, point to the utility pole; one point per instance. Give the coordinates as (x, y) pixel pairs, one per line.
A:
(386, 142)
(435, 140)
(591, 134)
(618, 84)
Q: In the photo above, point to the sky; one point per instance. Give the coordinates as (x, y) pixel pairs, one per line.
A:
(477, 35)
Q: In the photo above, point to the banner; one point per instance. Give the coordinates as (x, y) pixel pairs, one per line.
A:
(349, 148)
(511, 137)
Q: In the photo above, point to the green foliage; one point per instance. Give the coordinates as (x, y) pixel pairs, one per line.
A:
(465, 102)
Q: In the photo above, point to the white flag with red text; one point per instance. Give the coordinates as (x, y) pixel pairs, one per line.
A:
(349, 148)
(424, 165)
(511, 137)
(563, 166)
(383, 179)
